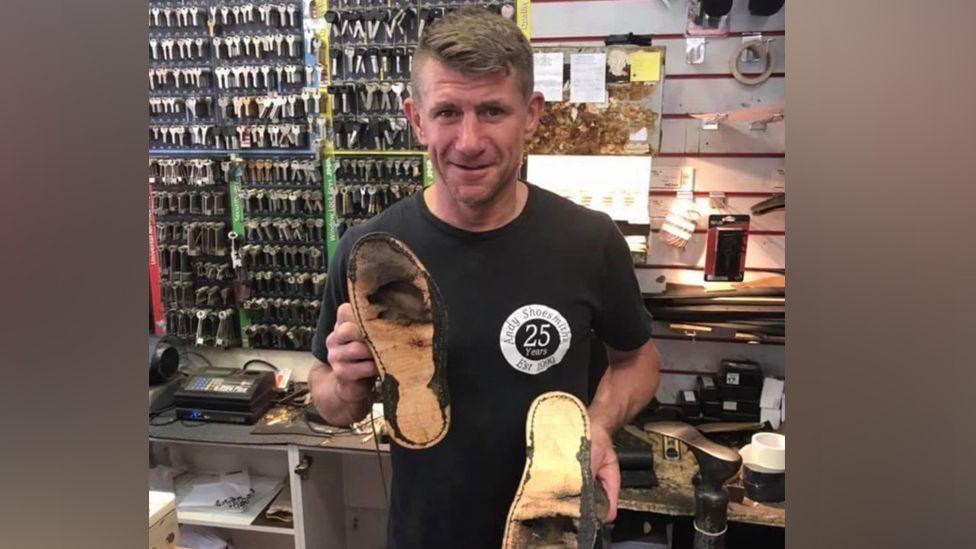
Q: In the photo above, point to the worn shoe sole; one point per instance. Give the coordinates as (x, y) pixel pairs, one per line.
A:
(556, 501)
(399, 310)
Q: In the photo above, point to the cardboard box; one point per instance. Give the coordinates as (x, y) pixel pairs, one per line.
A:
(741, 406)
(712, 410)
(740, 380)
(741, 373)
(707, 388)
(732, 392)
(740, 417)
(770, 415)
(164, 531)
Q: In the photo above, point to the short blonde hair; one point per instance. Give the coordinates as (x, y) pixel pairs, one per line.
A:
(474, 41)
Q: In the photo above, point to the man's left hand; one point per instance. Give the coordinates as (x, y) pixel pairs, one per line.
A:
(604, 466)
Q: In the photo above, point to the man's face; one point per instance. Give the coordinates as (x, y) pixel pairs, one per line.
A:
(474, 128)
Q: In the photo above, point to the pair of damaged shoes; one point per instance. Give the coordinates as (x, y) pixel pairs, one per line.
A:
(398, 307)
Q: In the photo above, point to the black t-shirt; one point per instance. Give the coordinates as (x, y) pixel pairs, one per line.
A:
(523, 304)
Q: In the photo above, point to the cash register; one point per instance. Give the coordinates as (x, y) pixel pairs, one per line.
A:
(236, 396)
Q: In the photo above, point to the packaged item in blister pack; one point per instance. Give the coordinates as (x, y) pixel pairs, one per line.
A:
(725, 259)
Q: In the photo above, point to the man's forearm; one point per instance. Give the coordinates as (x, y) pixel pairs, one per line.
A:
(327, 400)
(626, 387)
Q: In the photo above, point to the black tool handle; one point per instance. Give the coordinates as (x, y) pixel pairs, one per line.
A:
(635, 459)
(711, 518)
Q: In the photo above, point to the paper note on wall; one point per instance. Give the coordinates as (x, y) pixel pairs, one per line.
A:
(645, 66)
(588, 78)
(615, 185)
(665, 177)
(639, 136)
(548, 72)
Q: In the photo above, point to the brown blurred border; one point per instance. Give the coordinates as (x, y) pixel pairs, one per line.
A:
(73, 453)
(880, 140)
(880, 133)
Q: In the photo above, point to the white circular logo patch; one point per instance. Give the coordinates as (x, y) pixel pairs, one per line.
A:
(534, 337)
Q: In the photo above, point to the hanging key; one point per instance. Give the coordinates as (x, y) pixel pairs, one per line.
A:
(406, 23)
(332, 17)
(373, 55)
(291, 15)
(384, 90)
(387, 20)
(398, 88)
(376, 128)
(201, 315)
(399, 54)
(368, 94)
(372, 25)
(356, 26)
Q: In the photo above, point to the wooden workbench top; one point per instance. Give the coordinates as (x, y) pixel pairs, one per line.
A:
(682, 503)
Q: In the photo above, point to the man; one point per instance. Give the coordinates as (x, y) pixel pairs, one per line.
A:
(526, 276)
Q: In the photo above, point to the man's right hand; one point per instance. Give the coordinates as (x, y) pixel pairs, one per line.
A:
(352, 363)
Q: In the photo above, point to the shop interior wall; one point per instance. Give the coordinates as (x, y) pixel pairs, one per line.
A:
(747, 165)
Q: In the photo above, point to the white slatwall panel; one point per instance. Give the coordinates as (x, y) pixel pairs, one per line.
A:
(762, 252)
(762, 175)
(717, 54)
(600, 18)
(653, 280)
(658, 207)
(685, 135)
(689, 96)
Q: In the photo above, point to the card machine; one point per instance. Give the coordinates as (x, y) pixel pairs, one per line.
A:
(239, 397)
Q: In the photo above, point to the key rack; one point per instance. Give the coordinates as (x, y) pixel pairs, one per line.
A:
(257, 257)
(279, 218)
(234, 85)
(191, 276)
(222, 96)
(233, 76)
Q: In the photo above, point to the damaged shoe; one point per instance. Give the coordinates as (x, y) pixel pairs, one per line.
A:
(399, 310)
(558, 503)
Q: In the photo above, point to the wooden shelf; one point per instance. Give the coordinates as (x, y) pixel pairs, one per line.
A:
(714, 339)
(258, 525)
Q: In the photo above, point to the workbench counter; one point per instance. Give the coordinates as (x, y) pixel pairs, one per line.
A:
(682, 503)
(658, 500)
(229, 433)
